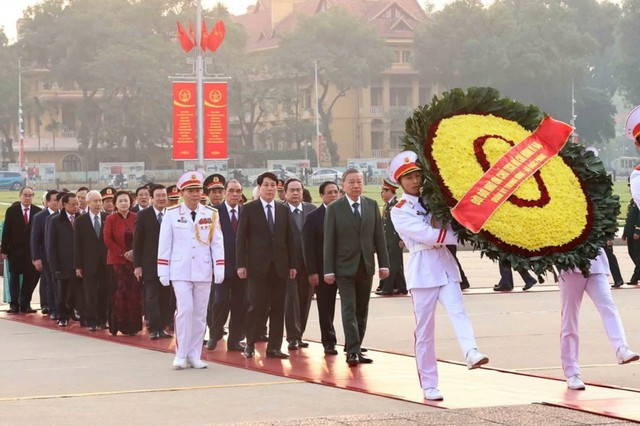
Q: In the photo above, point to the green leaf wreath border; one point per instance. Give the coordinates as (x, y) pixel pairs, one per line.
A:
(589, 168)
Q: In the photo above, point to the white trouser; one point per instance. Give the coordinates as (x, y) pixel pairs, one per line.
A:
(572, 288)
(192, 299)
(424, 308)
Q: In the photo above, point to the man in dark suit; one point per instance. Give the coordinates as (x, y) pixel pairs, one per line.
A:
(299, 293)
(313, 241)
(631, 234)
(395, 282)
(145, 254)
(143, 197)
(265, 256)
(353, 234)
(90, 256)
(61, 259)
(16, 236)
(230, 295)
(39, 253)
(54, 281)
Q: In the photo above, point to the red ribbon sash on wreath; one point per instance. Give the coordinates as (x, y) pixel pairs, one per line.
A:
(503, 178)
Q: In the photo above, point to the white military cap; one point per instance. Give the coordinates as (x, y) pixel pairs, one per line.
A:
(632, 124)
(403, 163)
(190, 180)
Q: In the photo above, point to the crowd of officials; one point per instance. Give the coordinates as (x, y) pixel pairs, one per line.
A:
(117, 260)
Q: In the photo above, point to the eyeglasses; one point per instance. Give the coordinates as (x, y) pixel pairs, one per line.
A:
(26, 194)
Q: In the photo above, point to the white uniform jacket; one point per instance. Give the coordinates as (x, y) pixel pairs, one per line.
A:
(634, 183)
(186, 250)
(599, 265)
(431, 264)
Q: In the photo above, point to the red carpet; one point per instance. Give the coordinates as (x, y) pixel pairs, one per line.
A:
(394, 376)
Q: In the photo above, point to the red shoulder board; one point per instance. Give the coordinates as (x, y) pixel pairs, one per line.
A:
(400, 203)
(638, 167)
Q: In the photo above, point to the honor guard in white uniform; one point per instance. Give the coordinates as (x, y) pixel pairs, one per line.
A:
(573, 284)
(632, 130)
(190, 252)
(432, 274)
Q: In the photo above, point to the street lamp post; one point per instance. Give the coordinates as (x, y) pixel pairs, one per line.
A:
(315, 67)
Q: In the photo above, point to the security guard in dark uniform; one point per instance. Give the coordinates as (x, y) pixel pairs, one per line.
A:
(214, 189)
(395, 282)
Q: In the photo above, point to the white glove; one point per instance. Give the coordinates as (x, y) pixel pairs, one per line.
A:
(164, 281)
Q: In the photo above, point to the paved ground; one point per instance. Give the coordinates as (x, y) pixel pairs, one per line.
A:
(51, 377)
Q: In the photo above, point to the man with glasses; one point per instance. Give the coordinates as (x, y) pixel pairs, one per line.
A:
(16, 247)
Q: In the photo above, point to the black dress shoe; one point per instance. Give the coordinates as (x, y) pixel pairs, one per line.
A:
(28, 310)
(93, 328)
(397, 292)
(154, 335)
(302, 344)
(293, 345)
(249, 351)
(164, 335)
(75, 317)
(13, 311)
(53, 317)
(384, 293)
(363, 359)
(632, 283)
(62, 323)
(263, 338)
(211, 344)
(528, 285)
(330, 350)
(238, 347)
(617, 284)
(352, 359)
(502, 288)
(45, 311)
(277, 354)
(464, 285)
(103, 326)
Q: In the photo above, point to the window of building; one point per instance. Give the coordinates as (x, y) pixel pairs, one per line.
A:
(377, 139)
(376, 96)
(400, 96)
(69, 116)
(306, 101)
(406, 57)
(71, 163)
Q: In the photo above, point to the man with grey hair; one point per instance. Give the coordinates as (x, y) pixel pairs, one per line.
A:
(91, 261)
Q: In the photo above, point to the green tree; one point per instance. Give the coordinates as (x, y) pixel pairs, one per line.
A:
(628, 63)
(348, 53)
(8, 97)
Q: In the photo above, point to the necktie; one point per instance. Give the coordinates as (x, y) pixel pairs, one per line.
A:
(72, 219)
(26, 216)
(193, 216)
(356, 212)
(424, 206)
(270, 218)
(160, 218)
(234, 220)
(297, 216)
(96, 225)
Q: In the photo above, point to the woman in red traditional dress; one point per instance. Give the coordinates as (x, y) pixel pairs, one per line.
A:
(126, 307)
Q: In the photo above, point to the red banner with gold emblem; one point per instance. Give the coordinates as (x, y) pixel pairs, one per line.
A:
(215, 121)
(184, 120)
(509, 172)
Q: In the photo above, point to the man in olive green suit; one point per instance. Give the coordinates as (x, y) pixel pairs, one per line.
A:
(395, 282)
(353, 233)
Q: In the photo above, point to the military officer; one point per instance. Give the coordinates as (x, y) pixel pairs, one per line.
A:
(214, 188)
(174, 195)
(107, 199)
(432, 274)
(632, 130)
(190, 252)
(395, 282)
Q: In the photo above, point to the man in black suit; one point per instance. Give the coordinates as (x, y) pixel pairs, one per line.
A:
(631, 234)
(299, 292)
(353, 235)
(265, 256)
(16, 236)
(61, 258)
(81, 193)
(145, 261)
(39, 253)
(230, 295)
(90, 256)
(313, 240)
(143, 197)
(54, 281)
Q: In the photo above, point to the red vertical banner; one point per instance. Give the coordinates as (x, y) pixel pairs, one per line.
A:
(184, 120)
(215, 121)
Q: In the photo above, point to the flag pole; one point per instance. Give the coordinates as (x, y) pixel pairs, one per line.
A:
(199, 87)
